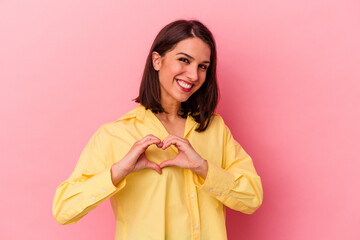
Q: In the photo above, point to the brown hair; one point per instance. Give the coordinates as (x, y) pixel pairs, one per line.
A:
(202, 103)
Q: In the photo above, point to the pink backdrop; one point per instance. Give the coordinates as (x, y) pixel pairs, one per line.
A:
(289, 69)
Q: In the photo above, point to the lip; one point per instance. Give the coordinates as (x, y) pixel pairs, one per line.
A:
(184, 89)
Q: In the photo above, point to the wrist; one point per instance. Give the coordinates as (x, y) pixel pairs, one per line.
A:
(202, 170)
(122, 168)
(118, 172)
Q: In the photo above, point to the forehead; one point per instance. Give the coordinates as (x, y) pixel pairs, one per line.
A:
(194, 47)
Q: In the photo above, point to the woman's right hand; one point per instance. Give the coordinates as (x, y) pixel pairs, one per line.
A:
(135, 160)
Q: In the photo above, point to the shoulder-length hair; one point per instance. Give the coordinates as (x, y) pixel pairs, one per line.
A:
(200, 105)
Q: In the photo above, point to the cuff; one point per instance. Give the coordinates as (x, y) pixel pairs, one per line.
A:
(218, 181)
(102, 185)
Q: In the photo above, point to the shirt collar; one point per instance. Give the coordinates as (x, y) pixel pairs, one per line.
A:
(142, 114)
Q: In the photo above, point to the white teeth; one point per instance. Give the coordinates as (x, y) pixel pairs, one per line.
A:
(184, 85)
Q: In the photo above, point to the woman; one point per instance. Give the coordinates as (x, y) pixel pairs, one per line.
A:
(171, 165)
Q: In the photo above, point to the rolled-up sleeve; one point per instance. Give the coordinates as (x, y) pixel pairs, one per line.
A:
(89, 184)
(235, 183)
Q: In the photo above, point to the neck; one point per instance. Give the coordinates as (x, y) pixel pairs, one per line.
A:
(172, 109)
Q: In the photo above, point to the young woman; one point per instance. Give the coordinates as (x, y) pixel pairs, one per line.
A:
(171, 165)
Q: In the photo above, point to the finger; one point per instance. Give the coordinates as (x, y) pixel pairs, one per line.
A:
(170, 136)
(147, 137)
(159, 145)
(166, 141)
(150, 140)
(176, 142)
(141, 146)
(150, 135)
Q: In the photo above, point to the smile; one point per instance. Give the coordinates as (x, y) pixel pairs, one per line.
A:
(184, 85)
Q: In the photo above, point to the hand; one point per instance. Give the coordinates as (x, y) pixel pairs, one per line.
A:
(135, 159)
(187, 157)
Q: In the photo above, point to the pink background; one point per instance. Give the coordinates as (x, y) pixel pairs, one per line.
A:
(289, 79)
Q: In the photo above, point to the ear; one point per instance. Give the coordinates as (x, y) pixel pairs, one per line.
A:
(156, 60)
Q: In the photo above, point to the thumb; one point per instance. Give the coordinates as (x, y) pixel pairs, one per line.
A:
(170, 162)
(154, 166)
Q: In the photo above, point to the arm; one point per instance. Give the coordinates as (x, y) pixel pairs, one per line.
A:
(236, 183)
(96, 177)
(90, 184)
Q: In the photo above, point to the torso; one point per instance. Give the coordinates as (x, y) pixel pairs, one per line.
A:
(177, 127)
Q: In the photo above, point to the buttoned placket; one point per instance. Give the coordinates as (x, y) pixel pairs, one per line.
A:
(191, 190)
(193, 204)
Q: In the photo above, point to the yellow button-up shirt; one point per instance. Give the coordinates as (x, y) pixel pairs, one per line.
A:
(178, 204)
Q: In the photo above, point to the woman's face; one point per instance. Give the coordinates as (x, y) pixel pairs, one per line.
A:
(182, 70)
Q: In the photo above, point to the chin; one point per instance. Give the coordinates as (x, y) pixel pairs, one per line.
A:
(183, 99)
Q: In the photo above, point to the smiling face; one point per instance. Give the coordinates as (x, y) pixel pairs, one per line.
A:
(182, 70)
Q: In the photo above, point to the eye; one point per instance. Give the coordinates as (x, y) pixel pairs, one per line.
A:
(187, 61)
(182, 59)
(203, 67)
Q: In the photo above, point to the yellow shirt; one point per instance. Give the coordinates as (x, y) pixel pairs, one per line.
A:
(178, 204)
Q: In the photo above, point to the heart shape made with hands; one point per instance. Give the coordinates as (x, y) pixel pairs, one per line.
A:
(186, 158)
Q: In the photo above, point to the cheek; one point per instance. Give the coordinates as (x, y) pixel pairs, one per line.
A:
(202, 77)
(171, 70)
(175, 69)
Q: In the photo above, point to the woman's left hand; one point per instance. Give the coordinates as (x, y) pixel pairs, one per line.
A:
(187, 157)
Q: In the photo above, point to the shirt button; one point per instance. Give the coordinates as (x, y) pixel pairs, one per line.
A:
(93, 198)
(191, 195)
(196, 227)
(103, 191)
(219, 194)
(211, 190)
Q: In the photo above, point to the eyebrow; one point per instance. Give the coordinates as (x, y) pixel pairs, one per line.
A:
(190, 56)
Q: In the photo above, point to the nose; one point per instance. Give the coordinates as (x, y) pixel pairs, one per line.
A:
(192, 73)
